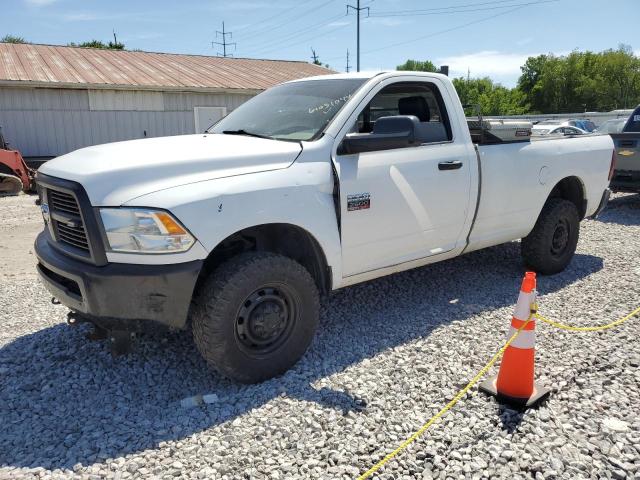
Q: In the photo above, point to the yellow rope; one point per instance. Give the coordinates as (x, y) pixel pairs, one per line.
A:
(482, 373)
(587, 329)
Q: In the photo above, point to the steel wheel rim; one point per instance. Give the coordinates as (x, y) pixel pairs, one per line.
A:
(560, 238)
(266, 318)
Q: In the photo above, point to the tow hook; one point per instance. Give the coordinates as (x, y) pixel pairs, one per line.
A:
(72, 318)
(121, 342)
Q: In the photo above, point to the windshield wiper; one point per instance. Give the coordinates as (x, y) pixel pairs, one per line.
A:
(244, 132)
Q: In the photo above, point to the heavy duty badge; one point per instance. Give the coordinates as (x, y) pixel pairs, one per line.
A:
(358, 201)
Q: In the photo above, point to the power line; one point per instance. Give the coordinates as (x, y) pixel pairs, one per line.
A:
(446, 30)
(466, 10)
(323, 34)
(441, 32)
(358, 9)
(224, 42)
(257, 36)
(269, 46)
(264, 20)
(450, 7)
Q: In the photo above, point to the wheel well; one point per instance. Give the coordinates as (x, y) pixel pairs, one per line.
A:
(571, 189)
(282, 238)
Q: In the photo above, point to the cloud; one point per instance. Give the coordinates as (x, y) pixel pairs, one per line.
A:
(385, 22)
(339, 23)
(504, 67)
(40, 3)
(251, 5)
(524, 41)
(80, 17)
(95, 16)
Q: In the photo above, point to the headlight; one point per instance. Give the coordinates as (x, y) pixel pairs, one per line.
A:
(141, 230)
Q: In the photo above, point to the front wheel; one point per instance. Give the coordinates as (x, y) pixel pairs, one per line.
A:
(255, 316)
(550, 246)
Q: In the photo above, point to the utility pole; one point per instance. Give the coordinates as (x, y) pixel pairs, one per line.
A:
(358, 9)
(348, 67)
(224, 42)
(314, 57)
(115, 39)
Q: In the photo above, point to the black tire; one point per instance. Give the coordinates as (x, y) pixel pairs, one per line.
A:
(281, 304)
(550, 246)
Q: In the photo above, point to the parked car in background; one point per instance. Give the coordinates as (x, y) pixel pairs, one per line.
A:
(556, 129)
(568, 130)
(582, 123)
(547, 127)
(544, 127)
(615, 125)
(626, 177)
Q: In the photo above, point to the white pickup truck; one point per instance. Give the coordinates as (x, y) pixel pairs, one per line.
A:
(311, 186)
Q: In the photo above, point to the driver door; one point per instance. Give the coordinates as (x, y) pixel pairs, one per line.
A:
(407, 203)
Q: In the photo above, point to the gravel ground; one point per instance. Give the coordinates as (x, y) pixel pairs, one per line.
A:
(388, 354)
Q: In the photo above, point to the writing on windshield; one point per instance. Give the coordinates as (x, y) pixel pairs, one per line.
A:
(327, 106)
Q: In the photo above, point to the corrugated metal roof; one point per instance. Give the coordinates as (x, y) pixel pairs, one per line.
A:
(53, 66)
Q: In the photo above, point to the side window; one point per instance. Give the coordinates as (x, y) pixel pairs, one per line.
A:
(422, 100)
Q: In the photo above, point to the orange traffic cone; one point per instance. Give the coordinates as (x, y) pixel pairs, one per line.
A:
(514, 383)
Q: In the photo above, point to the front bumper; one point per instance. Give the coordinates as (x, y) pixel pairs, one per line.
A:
(116, 295)
(603, 203)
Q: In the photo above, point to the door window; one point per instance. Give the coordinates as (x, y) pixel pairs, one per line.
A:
(422, 100)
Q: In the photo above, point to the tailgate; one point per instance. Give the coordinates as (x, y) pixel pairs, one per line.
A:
(627, 150)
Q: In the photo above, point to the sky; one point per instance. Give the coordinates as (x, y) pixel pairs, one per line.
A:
(482, 37)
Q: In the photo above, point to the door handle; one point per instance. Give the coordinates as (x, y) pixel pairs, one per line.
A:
(450, 165)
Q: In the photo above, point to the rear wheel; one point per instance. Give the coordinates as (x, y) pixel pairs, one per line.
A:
(255, 316)
(550, 246)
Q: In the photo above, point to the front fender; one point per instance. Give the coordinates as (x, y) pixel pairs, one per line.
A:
(301, 195)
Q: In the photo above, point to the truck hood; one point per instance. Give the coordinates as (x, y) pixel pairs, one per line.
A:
(115, 173)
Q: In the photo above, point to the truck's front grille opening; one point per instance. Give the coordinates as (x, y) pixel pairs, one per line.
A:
(68, 224)
(63, 202)
(72, 235)
(69, 285)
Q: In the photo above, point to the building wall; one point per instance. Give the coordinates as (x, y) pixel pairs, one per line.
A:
(47, 122)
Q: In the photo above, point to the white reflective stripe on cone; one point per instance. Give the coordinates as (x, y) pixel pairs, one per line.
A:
(523, 307)
(525, 339)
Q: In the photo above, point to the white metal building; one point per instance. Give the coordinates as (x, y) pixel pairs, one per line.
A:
(56, 99)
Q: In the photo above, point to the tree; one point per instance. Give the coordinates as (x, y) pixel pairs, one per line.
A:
(493, 98)
(581, 81)
(99, 44)
(417, 66)
(12, 39)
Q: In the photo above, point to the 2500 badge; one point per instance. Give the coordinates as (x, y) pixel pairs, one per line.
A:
(358, 201)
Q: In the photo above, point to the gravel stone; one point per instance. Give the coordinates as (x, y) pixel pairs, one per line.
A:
(388, 355)
(616, 425)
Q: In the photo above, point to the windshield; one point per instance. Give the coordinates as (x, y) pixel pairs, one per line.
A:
(291, 111)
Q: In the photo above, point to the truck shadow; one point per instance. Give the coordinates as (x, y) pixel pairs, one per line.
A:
(623, 209)
(65, 401)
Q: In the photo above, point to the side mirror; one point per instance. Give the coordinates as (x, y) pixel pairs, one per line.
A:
(398, 131)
